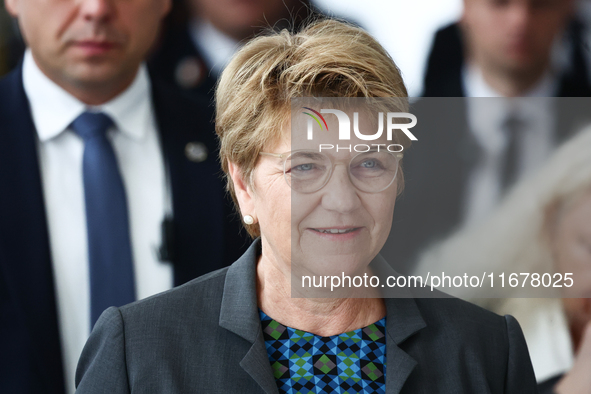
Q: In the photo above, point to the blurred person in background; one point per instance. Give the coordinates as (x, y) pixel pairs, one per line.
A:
(202, 35)
(11, 46)
(510, 48)
(110, 184)
(543, 226)
(472, 150)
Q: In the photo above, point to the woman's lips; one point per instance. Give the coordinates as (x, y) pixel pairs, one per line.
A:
(335, 230)
(340, 233)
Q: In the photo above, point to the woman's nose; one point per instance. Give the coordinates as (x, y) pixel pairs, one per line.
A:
(340, 194)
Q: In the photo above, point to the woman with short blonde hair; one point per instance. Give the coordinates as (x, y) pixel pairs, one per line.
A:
(326, 59)
(246, 329)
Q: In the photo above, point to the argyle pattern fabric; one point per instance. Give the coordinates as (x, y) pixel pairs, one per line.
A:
(353, 362)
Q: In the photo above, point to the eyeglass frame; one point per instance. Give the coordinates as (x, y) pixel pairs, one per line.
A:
(285, 155)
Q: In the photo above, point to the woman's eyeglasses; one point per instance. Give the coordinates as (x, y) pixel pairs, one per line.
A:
(307, 171)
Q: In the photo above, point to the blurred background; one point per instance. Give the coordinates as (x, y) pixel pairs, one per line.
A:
(405, 29)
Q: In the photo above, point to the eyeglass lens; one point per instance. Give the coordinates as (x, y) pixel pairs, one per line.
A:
(309, 171)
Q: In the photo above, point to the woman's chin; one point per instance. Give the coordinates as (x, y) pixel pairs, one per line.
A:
(327, 265)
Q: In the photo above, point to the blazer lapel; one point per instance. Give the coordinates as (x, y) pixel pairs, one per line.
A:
(25, 258)
(403, 320)
(256, 364)
(239, 314)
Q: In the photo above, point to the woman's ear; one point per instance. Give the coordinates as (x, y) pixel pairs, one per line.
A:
(243, 191)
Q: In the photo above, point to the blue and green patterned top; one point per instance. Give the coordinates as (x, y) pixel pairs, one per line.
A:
(353, 362)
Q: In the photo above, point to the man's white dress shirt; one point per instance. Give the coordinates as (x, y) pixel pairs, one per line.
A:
(137, 147)
(487, 111)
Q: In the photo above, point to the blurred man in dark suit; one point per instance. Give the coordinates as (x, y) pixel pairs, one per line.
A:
(509, 48)
(110, 184)
(471, 151)
(202, 35)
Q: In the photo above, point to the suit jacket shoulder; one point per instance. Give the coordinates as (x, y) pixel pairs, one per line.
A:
(207, 334)
(177, 341)
(469, 349)
(443, 75)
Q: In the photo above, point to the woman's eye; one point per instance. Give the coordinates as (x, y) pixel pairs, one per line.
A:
(369, 164)
(303, 167)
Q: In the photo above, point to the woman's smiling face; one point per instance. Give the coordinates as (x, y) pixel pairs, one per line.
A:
(334, 230)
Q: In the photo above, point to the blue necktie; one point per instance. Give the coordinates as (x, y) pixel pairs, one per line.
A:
(513, 127)
(109, 246)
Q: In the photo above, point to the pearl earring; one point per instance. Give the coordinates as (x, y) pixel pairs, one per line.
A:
(248, 219)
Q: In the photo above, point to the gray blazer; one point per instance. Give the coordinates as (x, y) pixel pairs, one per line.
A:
(205, 337)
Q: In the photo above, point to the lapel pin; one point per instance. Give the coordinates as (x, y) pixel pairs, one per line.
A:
(196, 151)
(189, 72)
